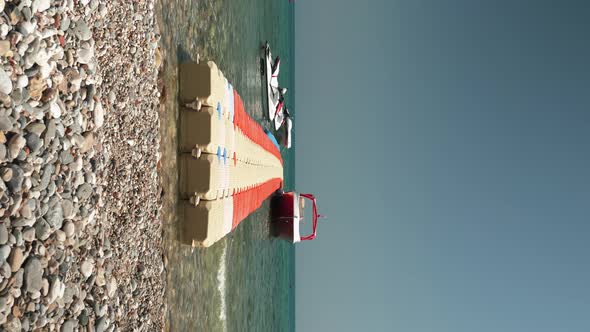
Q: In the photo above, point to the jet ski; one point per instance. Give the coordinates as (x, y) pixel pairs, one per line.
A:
(272, 81)
(279, 116)
(289, 126)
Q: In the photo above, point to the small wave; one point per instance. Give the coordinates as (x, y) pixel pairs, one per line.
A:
(221, 288)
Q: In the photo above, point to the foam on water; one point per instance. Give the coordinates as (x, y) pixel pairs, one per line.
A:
(221, 287)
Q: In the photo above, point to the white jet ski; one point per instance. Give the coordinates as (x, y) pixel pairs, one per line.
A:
(272, 81)
(289, 126)
(279, 116)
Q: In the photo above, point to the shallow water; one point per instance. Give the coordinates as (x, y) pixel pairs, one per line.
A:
(244, 282)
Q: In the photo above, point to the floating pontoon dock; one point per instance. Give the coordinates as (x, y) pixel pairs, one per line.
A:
(228, 165)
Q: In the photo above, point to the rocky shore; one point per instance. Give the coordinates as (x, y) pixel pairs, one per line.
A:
(80, 237)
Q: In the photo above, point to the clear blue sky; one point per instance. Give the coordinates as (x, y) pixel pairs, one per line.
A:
(449, 144)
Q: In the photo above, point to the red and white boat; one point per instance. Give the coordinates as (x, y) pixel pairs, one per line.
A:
(287, 216)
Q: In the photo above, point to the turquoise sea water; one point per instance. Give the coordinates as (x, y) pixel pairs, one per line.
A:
(246, 281)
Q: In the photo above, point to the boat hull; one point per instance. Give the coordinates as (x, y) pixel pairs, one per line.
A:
(286, 216)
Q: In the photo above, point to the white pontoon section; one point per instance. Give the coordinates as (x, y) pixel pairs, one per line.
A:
(205, 83)
(210, 177)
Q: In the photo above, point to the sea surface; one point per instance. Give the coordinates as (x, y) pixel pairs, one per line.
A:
(246, 281)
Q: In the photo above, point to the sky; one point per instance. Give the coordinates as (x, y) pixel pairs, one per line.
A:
(448, 144)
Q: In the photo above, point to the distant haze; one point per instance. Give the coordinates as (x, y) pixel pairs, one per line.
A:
(449, 144)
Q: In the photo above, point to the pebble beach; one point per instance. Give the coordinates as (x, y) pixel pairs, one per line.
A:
(80, 237)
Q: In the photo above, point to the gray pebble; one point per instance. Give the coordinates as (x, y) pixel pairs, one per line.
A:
(26, 211)
(23, 222)
(81, 31)
(34, 142)
(86, 268)
(25, 323)
(77, 139)
(31, 72)
(5, 82)
(50, 133)
(36, 128)
(83, 318)
(15, 145)
(22, 82)
(33, 275)
(26, 28)
(3, 234)
(65, 23)
(18, 236)
(26, 12)
(18, 96)
(42, 229)
(48, 171)
(18, 278)
(60, 235)
(102, 324)
(68, 208)
(6, 174)
(5, 123)
(4, 252)
(5, 301)
(5, 100)
(41, 5)
(3, 152)
(65, 157)
(100, 310)
(69, 229)
(69, 325)
(5, 270)
(84, 192)
(22, 155)
(85, 56)
(70, 292)
(16, 182)
(51, 188)
(54, 216)
(93, 4)
(29, 234)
